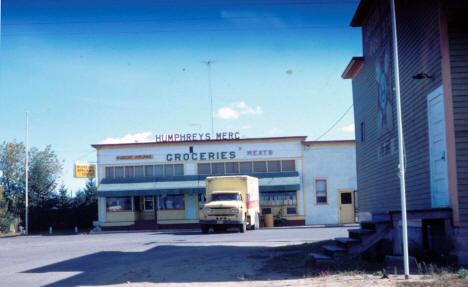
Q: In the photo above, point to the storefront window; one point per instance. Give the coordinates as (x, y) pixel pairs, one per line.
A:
(119, 203)
(259, 166)
(168, 170)
(204, 168)
(109, 172)
(232, 167)
(278, 198)
(217, 168)
(149, 170)
(178, 169)
(288, 165)
(149, 203)
(129, 171)
(119, 171)
(274, 166)
(139, 171)
(159, 170)
(167, 202)
(245, 166)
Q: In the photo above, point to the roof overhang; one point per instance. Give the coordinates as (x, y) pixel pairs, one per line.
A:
(361, 13)
(281, 181)
(353, 68)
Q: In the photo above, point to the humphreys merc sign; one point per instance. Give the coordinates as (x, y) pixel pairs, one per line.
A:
(220, 155)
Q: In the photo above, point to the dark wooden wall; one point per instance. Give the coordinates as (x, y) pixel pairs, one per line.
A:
(458, 45)
(377, 156)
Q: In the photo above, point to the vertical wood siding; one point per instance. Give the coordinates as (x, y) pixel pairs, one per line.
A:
(377, 156)
(458, 45)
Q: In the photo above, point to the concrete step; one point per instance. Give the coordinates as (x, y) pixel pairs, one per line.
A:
(359, 233)
(330, 250)
(346, 241)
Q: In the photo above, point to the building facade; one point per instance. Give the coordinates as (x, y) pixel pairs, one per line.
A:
(433, 61)
(162, 183)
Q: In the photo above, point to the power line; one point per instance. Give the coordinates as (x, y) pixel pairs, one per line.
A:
(335, 123)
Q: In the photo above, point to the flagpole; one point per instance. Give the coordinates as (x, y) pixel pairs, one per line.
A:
(401, 151)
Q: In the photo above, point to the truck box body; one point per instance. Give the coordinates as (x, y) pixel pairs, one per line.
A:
(232, 201)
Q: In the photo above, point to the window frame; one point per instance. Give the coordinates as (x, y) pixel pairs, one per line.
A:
(124, 210)
(164, 209)
(326, 191)
(111, 168)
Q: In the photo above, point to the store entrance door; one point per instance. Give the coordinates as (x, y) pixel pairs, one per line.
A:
(191, 206)
(346, 202)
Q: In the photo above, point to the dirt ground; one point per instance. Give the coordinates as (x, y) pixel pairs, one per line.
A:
(327, 280)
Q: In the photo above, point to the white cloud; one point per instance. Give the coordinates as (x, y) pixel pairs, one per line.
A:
(349, 128)
(246, 127)
(227, 113)
(235, 110)
(130, 138)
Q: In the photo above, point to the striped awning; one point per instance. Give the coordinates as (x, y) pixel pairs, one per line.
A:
(189, 185)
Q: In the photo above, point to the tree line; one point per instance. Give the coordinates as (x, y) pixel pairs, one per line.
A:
(50, 203)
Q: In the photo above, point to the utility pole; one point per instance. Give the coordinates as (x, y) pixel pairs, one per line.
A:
(401, 142)
(210, 91)
(27, 175)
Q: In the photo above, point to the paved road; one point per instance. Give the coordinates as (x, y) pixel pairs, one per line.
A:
(174, 256)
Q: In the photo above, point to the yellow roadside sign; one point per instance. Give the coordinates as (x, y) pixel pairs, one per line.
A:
(85, 170)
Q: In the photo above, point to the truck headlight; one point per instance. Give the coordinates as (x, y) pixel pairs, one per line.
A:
(207, 211)
(235, 210)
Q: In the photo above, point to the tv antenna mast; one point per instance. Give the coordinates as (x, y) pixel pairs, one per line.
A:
(210, 92)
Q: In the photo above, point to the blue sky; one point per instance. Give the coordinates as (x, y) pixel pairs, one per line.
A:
(99, 71)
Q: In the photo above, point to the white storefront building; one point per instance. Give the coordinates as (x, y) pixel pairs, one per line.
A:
(161, 183)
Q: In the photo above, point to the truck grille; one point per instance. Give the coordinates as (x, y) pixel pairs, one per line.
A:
(221, 211)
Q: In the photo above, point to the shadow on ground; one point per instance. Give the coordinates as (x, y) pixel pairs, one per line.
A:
(162, 264)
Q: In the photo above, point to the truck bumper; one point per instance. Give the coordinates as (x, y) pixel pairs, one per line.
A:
(221, 222)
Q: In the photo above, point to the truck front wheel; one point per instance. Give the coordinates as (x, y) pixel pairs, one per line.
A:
(205, 228)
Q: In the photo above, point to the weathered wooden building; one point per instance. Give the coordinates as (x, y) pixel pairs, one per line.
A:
(433, 63)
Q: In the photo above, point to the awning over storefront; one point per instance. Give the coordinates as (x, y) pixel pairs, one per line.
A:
(190, 184)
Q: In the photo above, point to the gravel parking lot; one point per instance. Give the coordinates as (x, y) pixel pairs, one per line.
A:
(164, 256)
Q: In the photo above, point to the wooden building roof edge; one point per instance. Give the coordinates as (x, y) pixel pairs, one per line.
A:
(353, 67)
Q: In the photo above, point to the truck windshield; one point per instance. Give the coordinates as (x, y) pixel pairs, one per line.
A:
(225, 196)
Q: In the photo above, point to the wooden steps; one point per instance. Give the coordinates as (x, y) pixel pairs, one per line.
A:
(358, 240)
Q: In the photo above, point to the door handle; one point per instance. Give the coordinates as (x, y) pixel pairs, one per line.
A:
(443, 155)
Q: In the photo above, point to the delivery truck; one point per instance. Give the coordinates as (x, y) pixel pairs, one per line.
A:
(231, 201)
